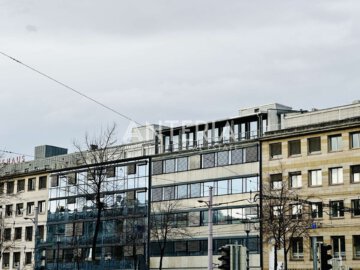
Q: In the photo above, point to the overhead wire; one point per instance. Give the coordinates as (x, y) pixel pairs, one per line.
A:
(71, 89)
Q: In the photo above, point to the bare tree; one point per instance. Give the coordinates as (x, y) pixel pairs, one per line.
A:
(165, 226)
(285, 215)
(95, 153)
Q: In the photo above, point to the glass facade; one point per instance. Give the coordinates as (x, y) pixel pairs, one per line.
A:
(72, 210)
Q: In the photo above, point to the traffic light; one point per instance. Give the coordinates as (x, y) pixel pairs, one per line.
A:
(225, 257)
(325, 257)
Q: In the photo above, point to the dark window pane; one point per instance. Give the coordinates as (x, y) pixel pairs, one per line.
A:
(275, 150)
(182, 164)
(251, 154)
(156, 194)
(314, 144)
(237, 156)
(294, 147)
(223, 158)
(157, 167)
(208, 160)
(169, 165)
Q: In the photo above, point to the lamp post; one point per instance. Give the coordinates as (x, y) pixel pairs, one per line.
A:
(35, 221)
(209, 204)
(247, 230)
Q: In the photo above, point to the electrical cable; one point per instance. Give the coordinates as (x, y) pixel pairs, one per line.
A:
(71, 89)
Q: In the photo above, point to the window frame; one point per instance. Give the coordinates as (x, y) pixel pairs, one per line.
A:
(339, 209)
(276, 179)
(352, 174)
(16, 233)
(275, 154)
(310, 176)
(298, 176)
(292, 146)
(42, 183)
(8, 185)
(313, 141)
(340, 239)
(339, 176)
(339, 143)
(31, 184)
(356, 248)
(352, 140)
(317, 211)
(22, 186)
(299, 241)
(355, 208)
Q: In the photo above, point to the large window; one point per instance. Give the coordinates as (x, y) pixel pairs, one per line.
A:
(294, 147)
(335, 143)
(337, 209)
(42, 206)
(28, 233)
(19, 209)
(356, 246)
(355, 173)
(355, 205)
(9, 210)
(18, 232)
(16, 259)
(336, 176)
(200, 189)
(296, 211)
(297, 248)
(42, 182)
(21, 185)
(30, 206)
(169, 165)
(314, 145)
(275, 150)
(208, 160)
(28, 257)
(222, 187)
(355, 140)
(31, 184)
(10, 187)
(338, 244)
(276, 181)
(315, 178)
(7, 234)
(316, 210)
(6, 260)
(295, 179)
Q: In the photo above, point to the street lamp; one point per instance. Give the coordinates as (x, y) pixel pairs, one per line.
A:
(209, 204)
(35, 221)
(247, 230)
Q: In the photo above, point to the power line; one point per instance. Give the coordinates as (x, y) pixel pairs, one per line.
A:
(71, 89)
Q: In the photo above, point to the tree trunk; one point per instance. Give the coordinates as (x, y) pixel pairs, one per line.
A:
(275, 257)
(162, 252)
(285, 255)
(97, 228)
(285, 259)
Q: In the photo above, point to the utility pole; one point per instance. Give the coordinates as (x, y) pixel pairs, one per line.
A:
(314, 249)
(210, 227)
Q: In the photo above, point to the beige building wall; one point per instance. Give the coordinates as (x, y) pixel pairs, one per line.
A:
(328, 227)
(24, 245)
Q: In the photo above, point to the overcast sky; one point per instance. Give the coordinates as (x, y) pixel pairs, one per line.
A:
(158, 60)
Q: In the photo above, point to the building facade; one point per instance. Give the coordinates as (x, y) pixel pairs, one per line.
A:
(224, 156)
(317, 154)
